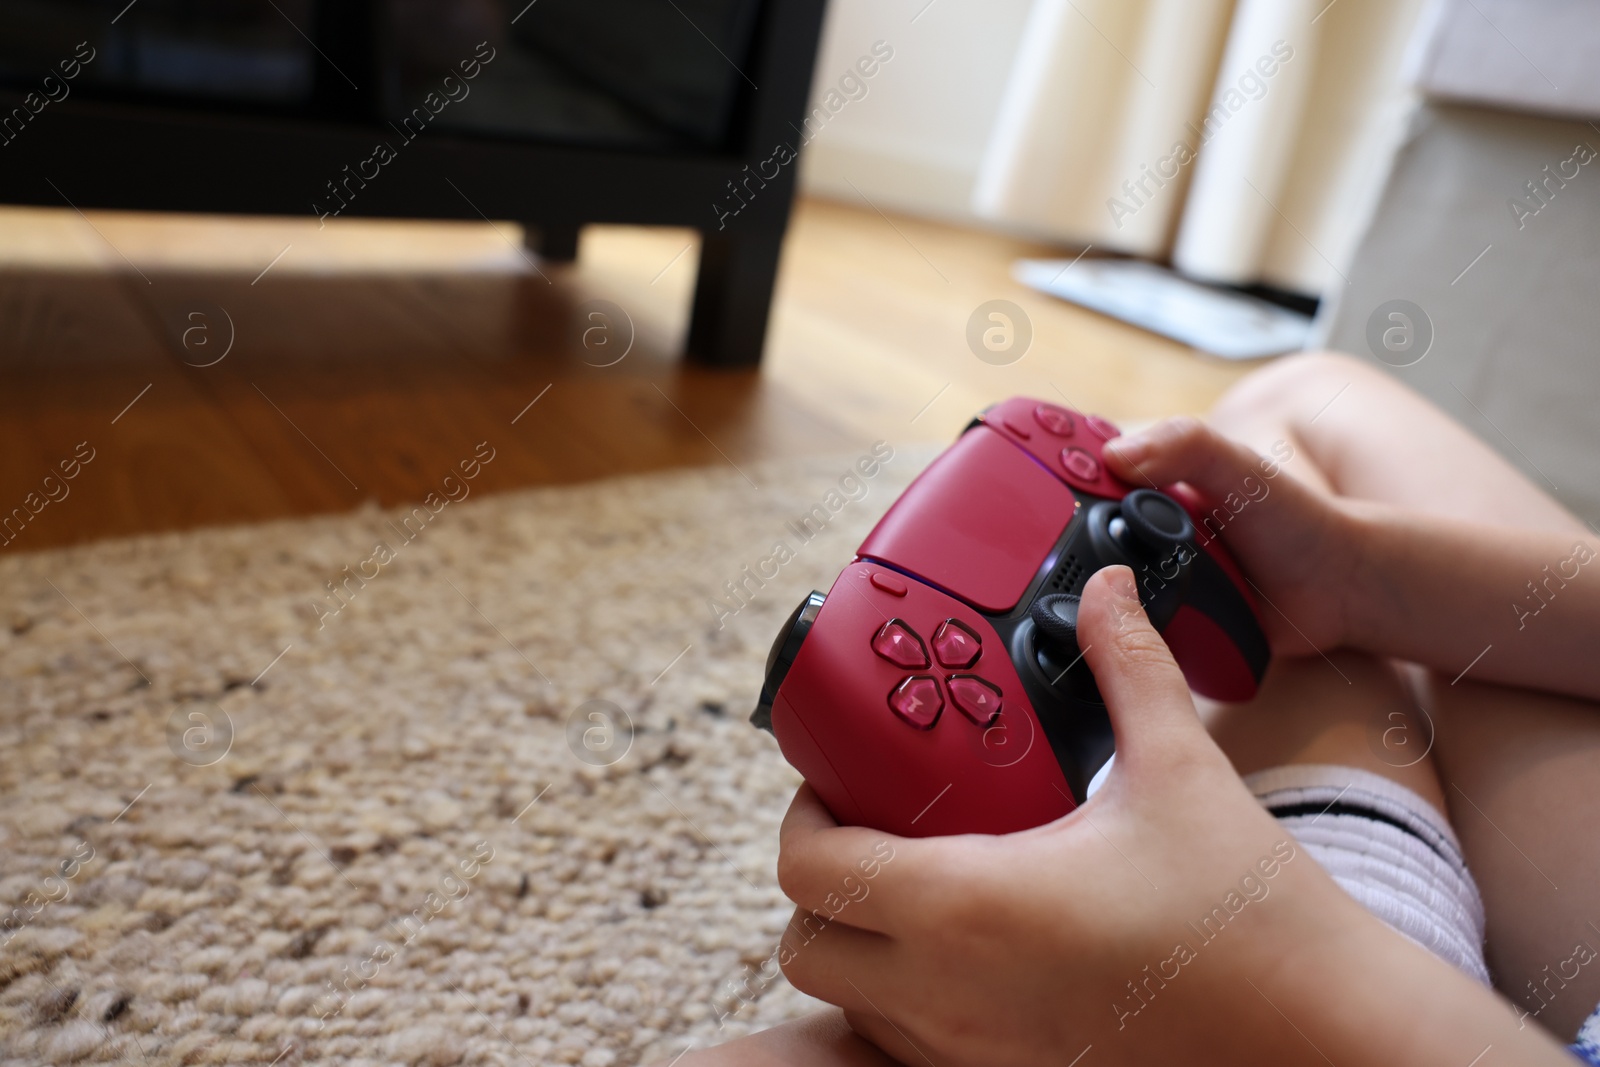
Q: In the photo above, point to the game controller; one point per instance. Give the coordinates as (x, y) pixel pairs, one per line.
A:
(938, 687)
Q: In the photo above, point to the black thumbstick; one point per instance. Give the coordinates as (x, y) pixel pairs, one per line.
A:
(1056, 616)
(1154, 523)
(1055, 623)
(781, 658)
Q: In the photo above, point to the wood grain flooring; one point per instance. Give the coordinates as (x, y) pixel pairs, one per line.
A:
(368, 358)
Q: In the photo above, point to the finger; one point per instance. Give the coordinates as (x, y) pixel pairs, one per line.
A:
(806, 812)
(823, 1037)
(1186, 449)
(1293, 538)
(1145, 693)
(835, 962)
(838, 872)
(889, 1038)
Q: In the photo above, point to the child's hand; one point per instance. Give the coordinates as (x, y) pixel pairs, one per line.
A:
(1154, 923)
(1019, 949)
(1295, 544)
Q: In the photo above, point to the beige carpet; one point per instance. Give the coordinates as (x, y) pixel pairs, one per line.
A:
(401, 857)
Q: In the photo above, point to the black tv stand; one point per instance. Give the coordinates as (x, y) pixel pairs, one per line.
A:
(656, 153)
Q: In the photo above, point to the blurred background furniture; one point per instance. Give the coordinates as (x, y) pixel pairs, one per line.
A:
(1489, 224)
(582, 111)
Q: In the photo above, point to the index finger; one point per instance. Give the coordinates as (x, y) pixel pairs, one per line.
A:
(836, 871)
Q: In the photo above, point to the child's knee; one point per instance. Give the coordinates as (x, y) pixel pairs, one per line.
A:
(1345, 708)
(1282, 388)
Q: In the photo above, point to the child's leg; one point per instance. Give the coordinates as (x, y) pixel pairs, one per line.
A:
(823, 1039)
(1522, 774)
(1360, 433)
(1336, 749)
(1518, 770)
(1349, 709)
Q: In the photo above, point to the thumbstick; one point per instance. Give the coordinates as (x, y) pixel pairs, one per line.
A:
(781, 658)
(1056, 617)
(1055, 625)
(1154, 523)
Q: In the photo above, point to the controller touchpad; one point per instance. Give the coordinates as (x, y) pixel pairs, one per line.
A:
(978, 523)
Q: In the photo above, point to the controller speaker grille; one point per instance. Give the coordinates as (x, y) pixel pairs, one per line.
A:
(1068, 576)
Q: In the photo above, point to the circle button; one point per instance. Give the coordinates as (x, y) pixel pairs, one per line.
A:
(1080, 464)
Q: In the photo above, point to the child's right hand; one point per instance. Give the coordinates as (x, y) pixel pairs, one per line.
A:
(1297, 546)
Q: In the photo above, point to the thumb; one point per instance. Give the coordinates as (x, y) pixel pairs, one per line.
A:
(1152, 713)
(1186, 449)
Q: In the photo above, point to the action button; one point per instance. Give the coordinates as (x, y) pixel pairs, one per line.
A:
(978, 700)
(1103, 428)
(900, 645)
(1080, 464)
(1017, 428)
(917, 701)
(1058, 421)
(955, 645)
(888, 583)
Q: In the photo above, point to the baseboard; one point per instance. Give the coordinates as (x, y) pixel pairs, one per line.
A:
(892, 182)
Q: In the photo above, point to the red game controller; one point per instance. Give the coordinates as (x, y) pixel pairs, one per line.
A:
(938, 687)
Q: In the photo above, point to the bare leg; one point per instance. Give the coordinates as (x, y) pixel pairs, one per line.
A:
(1523, 774)
(820, 1040)
(1359, 432)
(1519, 770)
(1348, 710)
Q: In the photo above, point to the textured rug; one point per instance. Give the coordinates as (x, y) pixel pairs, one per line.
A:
(464, 783)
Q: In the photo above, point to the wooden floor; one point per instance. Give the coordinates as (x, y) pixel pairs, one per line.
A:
(367, 359)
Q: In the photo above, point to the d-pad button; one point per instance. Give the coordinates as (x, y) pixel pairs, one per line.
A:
(978, 700)
(955, 645)
(917, 701)
(899, 644)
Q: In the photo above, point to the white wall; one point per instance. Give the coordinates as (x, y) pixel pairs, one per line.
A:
(913, 142)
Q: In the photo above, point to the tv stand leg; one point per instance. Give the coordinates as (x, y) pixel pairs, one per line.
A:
(732, 297)
(554, 244)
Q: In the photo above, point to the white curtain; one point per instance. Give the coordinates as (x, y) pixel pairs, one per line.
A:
(1244, 139)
